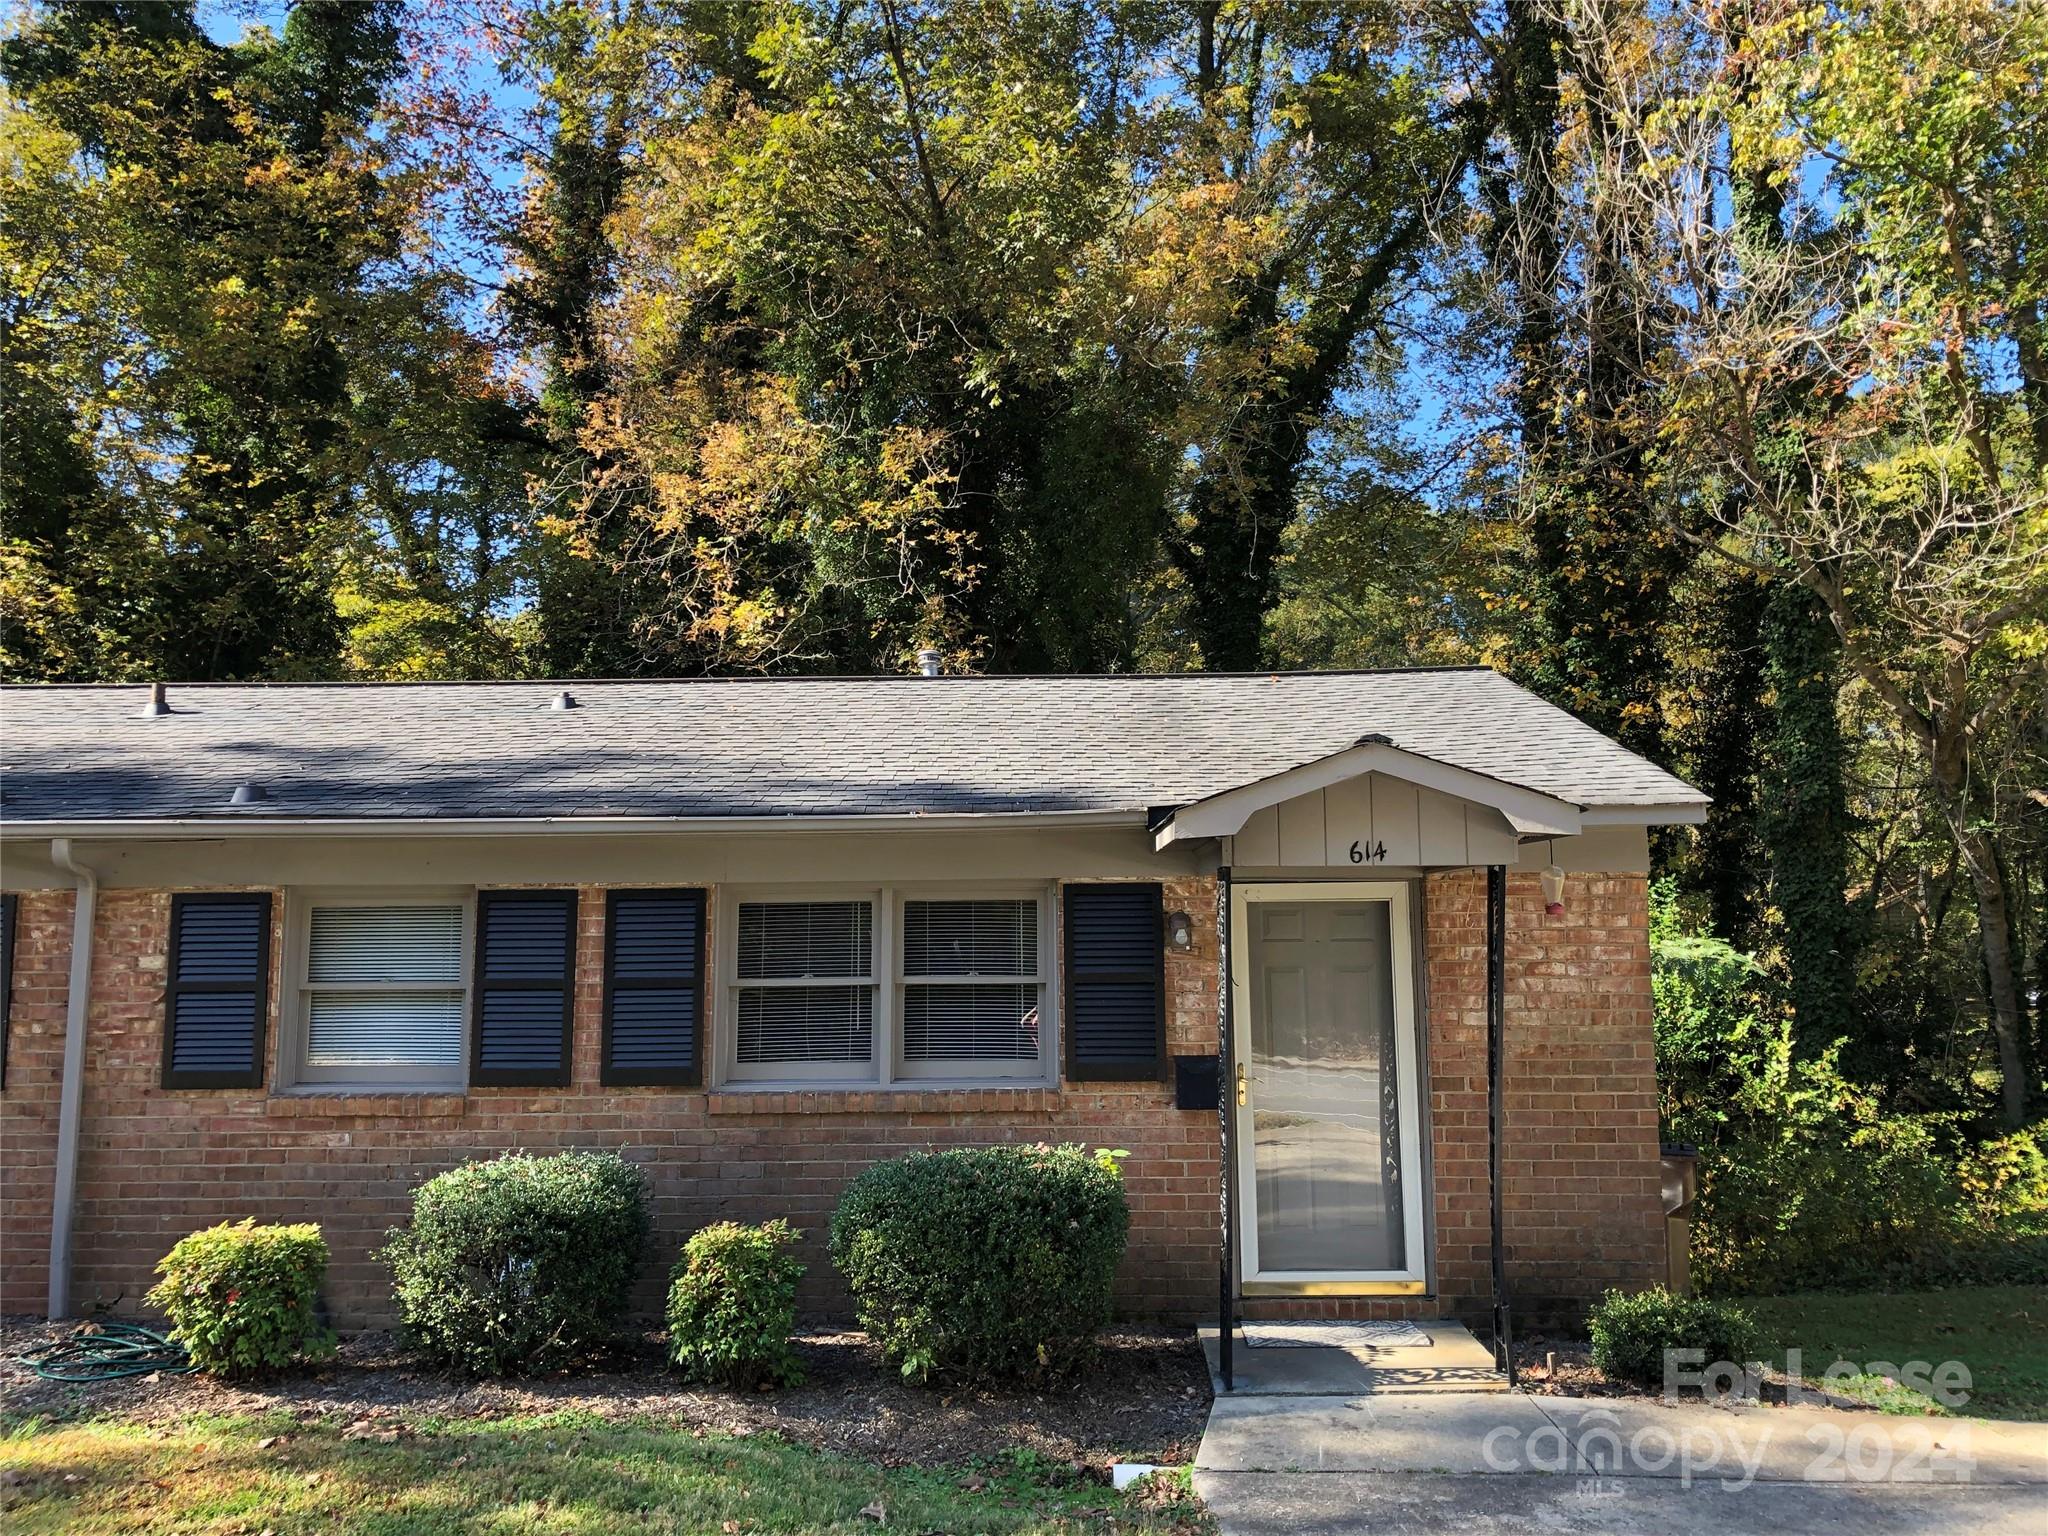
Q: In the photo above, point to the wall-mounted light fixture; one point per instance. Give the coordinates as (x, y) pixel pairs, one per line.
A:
(1180, 931)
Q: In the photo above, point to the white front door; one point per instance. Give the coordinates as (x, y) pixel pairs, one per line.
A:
(1329, 1086)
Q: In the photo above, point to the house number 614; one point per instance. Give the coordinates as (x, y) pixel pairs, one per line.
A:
(1360, 853)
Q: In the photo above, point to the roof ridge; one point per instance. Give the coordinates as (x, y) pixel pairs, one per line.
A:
(733, 678)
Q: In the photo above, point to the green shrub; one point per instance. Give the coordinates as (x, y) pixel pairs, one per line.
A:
(244, 1299)
(1631, 1332)
(1807, 1180)
(985, 1262)
(520, 1263)
(732, 1305)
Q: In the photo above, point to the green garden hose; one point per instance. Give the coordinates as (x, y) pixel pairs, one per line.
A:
(107, 1351)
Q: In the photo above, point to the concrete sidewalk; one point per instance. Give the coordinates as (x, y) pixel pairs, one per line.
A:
(1415, 1454)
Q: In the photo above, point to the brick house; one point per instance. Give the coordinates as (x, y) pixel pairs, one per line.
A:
(286, 951)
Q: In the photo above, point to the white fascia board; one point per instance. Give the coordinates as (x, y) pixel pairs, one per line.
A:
(1527, 811)
(1684, 813)
(165, 829)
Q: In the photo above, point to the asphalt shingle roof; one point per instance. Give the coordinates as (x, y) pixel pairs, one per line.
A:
(771, 747)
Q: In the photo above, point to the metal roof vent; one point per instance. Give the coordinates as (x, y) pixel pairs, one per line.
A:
(565, 700)
(157, 704)
(250, 793)
(928, 663)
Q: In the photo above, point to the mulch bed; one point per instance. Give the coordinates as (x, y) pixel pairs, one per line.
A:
(1146, 1398)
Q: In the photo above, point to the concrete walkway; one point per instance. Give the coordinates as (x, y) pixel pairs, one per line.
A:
(1354, 1441)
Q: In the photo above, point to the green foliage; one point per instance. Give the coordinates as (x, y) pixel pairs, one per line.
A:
(1709, 999)
(245, 1299)
(521, 1263)
(1806, 1179)
(1632, 1330)
(732, 1305)
(233, 382)
(984, 1262)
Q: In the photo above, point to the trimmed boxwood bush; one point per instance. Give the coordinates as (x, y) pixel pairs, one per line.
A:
(520, 1263)
(1631, 1331)
(732, 1306)
(984, 1262)
(244, 1299)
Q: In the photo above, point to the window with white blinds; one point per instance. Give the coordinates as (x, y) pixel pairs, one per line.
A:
(891, 986)
(804, 989)
(972, 984)
(384, 992)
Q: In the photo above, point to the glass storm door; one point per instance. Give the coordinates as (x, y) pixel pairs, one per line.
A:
(1328, 1086)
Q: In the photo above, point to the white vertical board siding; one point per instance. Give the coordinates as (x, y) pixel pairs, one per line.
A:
(1347, 815)
(1440, 824)
(1258, 841)
(1396, 820)
(1393, 823)
(1302, 837)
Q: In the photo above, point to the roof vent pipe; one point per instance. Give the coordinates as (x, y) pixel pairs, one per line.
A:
(251, 793)
(565, 700)
(928, 663)
(157, 704)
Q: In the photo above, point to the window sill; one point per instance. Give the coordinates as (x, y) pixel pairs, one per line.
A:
(404, 1103)
(980, 1098)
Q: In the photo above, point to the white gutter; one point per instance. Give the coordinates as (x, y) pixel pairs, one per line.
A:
(179, 827)
(71, 1096)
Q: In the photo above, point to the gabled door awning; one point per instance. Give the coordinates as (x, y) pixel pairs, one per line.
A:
(1530, 812)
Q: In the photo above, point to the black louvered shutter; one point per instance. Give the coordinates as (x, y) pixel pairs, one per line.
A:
(217, 993)
(525, 978)
(1116, 982)
(653, 988)
(7, 904)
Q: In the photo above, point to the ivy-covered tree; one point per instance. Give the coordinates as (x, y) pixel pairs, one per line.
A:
(182, 331)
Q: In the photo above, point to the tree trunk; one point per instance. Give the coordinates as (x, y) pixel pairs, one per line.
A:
(1803, 820)
(1994, 925)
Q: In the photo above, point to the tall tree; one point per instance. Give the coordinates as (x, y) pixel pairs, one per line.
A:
(1581, 332)
(222, 191)
(1314, 150)
(1906, 503)
(592, 69)
(880, 249)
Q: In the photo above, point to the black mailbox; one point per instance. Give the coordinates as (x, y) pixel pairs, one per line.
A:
(1194, 1082)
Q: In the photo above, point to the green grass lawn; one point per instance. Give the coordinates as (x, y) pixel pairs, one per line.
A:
(505, 1477)
(1999, 1331)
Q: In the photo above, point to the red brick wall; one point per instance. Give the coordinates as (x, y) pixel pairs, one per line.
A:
(1580, 1183)
(155, 1163)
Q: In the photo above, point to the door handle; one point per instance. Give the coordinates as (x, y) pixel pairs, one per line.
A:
(1243, 1087)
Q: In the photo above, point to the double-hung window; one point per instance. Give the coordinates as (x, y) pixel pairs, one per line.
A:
(888, 985)
(804, 989)
(973, 988)
(382, 988)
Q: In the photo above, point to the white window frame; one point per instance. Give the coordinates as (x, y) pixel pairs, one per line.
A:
(885, 1067)
(293, 1071)
(794, 1074)
(956, 1071)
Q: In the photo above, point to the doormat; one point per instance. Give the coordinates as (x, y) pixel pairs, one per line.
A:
(1335, 1336)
